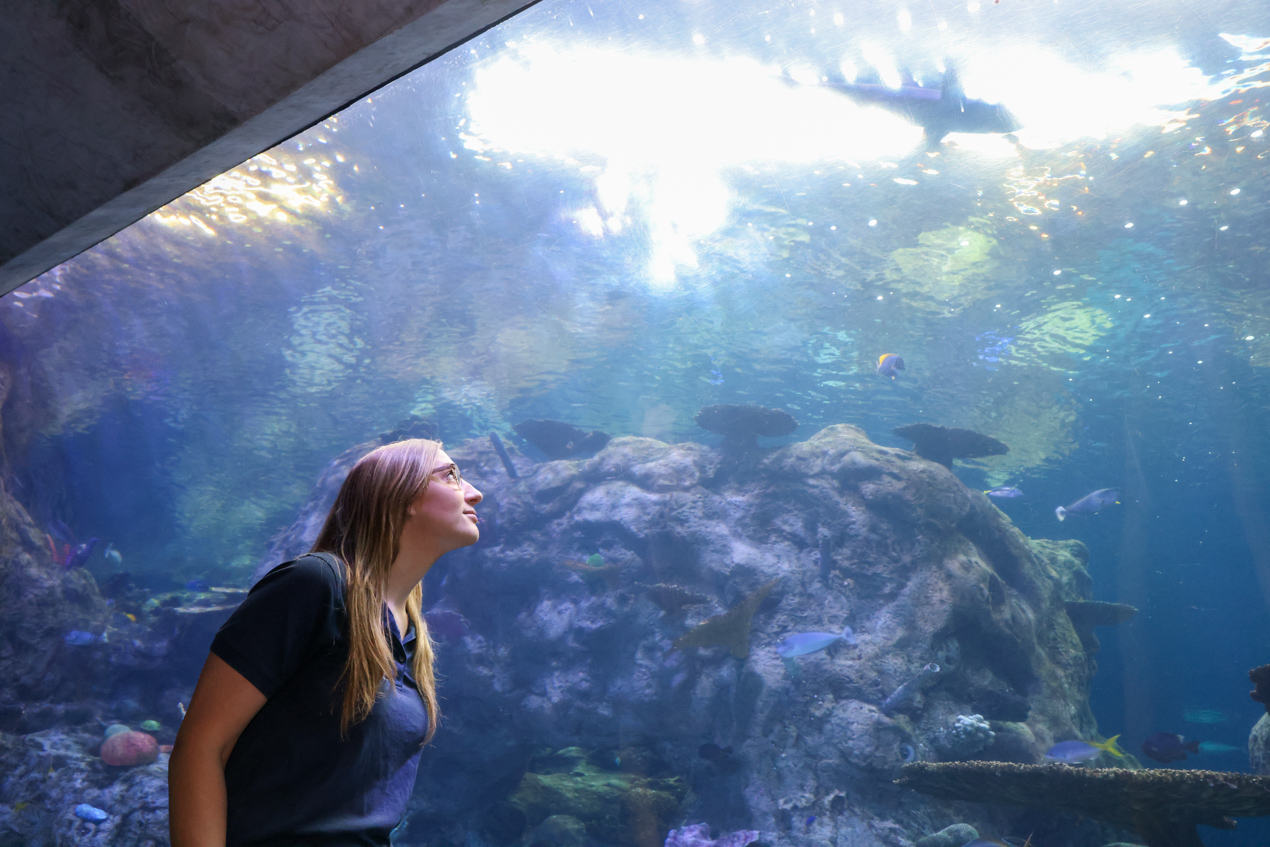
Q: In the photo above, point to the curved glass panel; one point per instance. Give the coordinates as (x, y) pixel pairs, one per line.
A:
(1038, 221)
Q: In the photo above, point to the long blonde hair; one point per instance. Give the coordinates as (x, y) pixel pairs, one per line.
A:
(364, 529)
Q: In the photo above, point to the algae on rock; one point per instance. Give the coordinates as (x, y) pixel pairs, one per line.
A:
(615, 806)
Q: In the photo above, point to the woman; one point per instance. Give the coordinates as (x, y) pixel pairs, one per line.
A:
(308, 719)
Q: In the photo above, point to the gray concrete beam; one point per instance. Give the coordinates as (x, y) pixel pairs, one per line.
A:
(113, 108)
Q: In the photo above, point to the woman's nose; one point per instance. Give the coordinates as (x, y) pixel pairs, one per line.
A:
(473, 494)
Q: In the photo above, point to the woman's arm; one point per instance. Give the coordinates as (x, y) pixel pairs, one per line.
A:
(224, 702)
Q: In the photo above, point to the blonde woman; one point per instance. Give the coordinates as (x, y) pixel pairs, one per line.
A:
(309, 717)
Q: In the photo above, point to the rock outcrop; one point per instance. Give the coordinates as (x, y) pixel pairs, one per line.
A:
(923, 569)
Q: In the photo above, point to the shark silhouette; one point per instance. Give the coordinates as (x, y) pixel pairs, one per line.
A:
(938, 111)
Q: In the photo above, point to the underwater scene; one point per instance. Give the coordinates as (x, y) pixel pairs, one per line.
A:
(871, 403)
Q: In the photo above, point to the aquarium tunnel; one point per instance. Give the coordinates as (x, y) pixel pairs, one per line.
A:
(869, 403)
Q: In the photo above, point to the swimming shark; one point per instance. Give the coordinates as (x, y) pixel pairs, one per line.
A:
(938, 111)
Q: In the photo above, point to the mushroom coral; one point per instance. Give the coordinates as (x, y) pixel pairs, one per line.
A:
(1087, 614)
(559, 440)
(944, 443)
(1161, 804)
(741, 426)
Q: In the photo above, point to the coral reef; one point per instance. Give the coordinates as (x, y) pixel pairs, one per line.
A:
(954, 835)
(968, 735)
(672, 599)
(924, 568)
(611, 806)
(571, 624)
(41, 602)
(1259, 745)
(1162, 805)
(698, 835)
(52, 778)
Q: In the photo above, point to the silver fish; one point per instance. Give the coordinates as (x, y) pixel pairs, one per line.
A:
(803, 643)
(1090, 503)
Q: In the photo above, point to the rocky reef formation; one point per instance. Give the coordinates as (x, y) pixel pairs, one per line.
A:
(55, 789)
(843, 531)
(1164, 806)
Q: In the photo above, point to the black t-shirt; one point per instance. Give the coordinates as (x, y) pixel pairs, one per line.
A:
(291, 780)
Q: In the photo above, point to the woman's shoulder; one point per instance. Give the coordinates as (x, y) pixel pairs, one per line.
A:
(317, 571)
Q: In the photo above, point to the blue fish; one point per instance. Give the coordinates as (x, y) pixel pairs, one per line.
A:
(890, 364)
(938, 111)
(80, 555)
(79, 638)
(803, 643)
(1090, 504)
(1005, 491)
(92, 814)
(1075, 752)
(1169, 747)
(196, 585)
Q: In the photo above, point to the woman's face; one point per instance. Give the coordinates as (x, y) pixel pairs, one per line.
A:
(443, 517)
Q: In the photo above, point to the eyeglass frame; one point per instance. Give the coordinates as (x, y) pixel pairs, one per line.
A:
(457, 485)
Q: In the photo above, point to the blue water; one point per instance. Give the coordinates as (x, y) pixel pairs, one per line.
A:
(614, 214)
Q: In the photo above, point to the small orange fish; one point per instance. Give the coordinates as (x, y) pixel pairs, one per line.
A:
(165, 748)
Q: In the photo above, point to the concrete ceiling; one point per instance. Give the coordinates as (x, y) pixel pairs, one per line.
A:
(113, 108)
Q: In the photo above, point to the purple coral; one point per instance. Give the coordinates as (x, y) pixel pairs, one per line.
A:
(698, 835)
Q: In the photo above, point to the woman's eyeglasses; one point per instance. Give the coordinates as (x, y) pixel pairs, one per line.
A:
(451, 476)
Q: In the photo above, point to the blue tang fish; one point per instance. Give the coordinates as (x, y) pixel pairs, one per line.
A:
(1004, 491)
(1075, 752)
(79, 638)
(803, 643)
(92, 814)
(890, 364)
(1091, 503)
